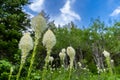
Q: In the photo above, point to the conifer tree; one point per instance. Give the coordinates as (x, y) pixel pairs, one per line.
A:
(12, 22)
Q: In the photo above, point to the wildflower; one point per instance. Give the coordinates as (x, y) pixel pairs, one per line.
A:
(106, 54)
(62, 56)
(49, 40)
(51, 59)
(108, 61)
(26, 43)
(71, 52)
(38, 24)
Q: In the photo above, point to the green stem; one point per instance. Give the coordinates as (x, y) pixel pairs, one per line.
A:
(32, 59)
(18, 75)
(69, 73)
(71, 66)
(63, 63)
(109, 65)
(45, 66)
(10, 73)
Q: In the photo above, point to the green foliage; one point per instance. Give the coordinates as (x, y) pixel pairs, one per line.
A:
(77, 74)
(4, 69)
(12, 21)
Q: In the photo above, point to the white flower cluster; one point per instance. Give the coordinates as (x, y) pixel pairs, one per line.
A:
(49, 39)
(38, 24)
(26, 43)
(106, 54)
(62, 55)
(71, 53)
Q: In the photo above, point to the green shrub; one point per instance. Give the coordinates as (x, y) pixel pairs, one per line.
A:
(4, 69)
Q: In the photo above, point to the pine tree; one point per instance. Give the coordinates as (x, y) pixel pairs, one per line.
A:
(12, 22)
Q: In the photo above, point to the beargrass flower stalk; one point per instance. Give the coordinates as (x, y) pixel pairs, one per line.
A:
(71, 54)
(39, 25)
(11, 70)
(108, 61)
(49, 40)
(62, 56)
(25, 45)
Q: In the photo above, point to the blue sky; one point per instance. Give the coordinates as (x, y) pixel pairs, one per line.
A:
(78, 11)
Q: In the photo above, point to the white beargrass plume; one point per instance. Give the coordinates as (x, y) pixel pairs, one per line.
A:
(108, 61)
(49, 40)
(71, 54)
(62, 55)
(39, 25)
(25, 44)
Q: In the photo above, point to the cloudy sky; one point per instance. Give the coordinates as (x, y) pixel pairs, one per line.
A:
(78, 11)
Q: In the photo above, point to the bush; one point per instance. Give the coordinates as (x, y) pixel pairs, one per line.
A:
(4, 69)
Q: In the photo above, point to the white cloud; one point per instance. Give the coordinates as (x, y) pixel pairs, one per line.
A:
(37, 5)
(30, 14)
(67, 14)
(116, 12)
